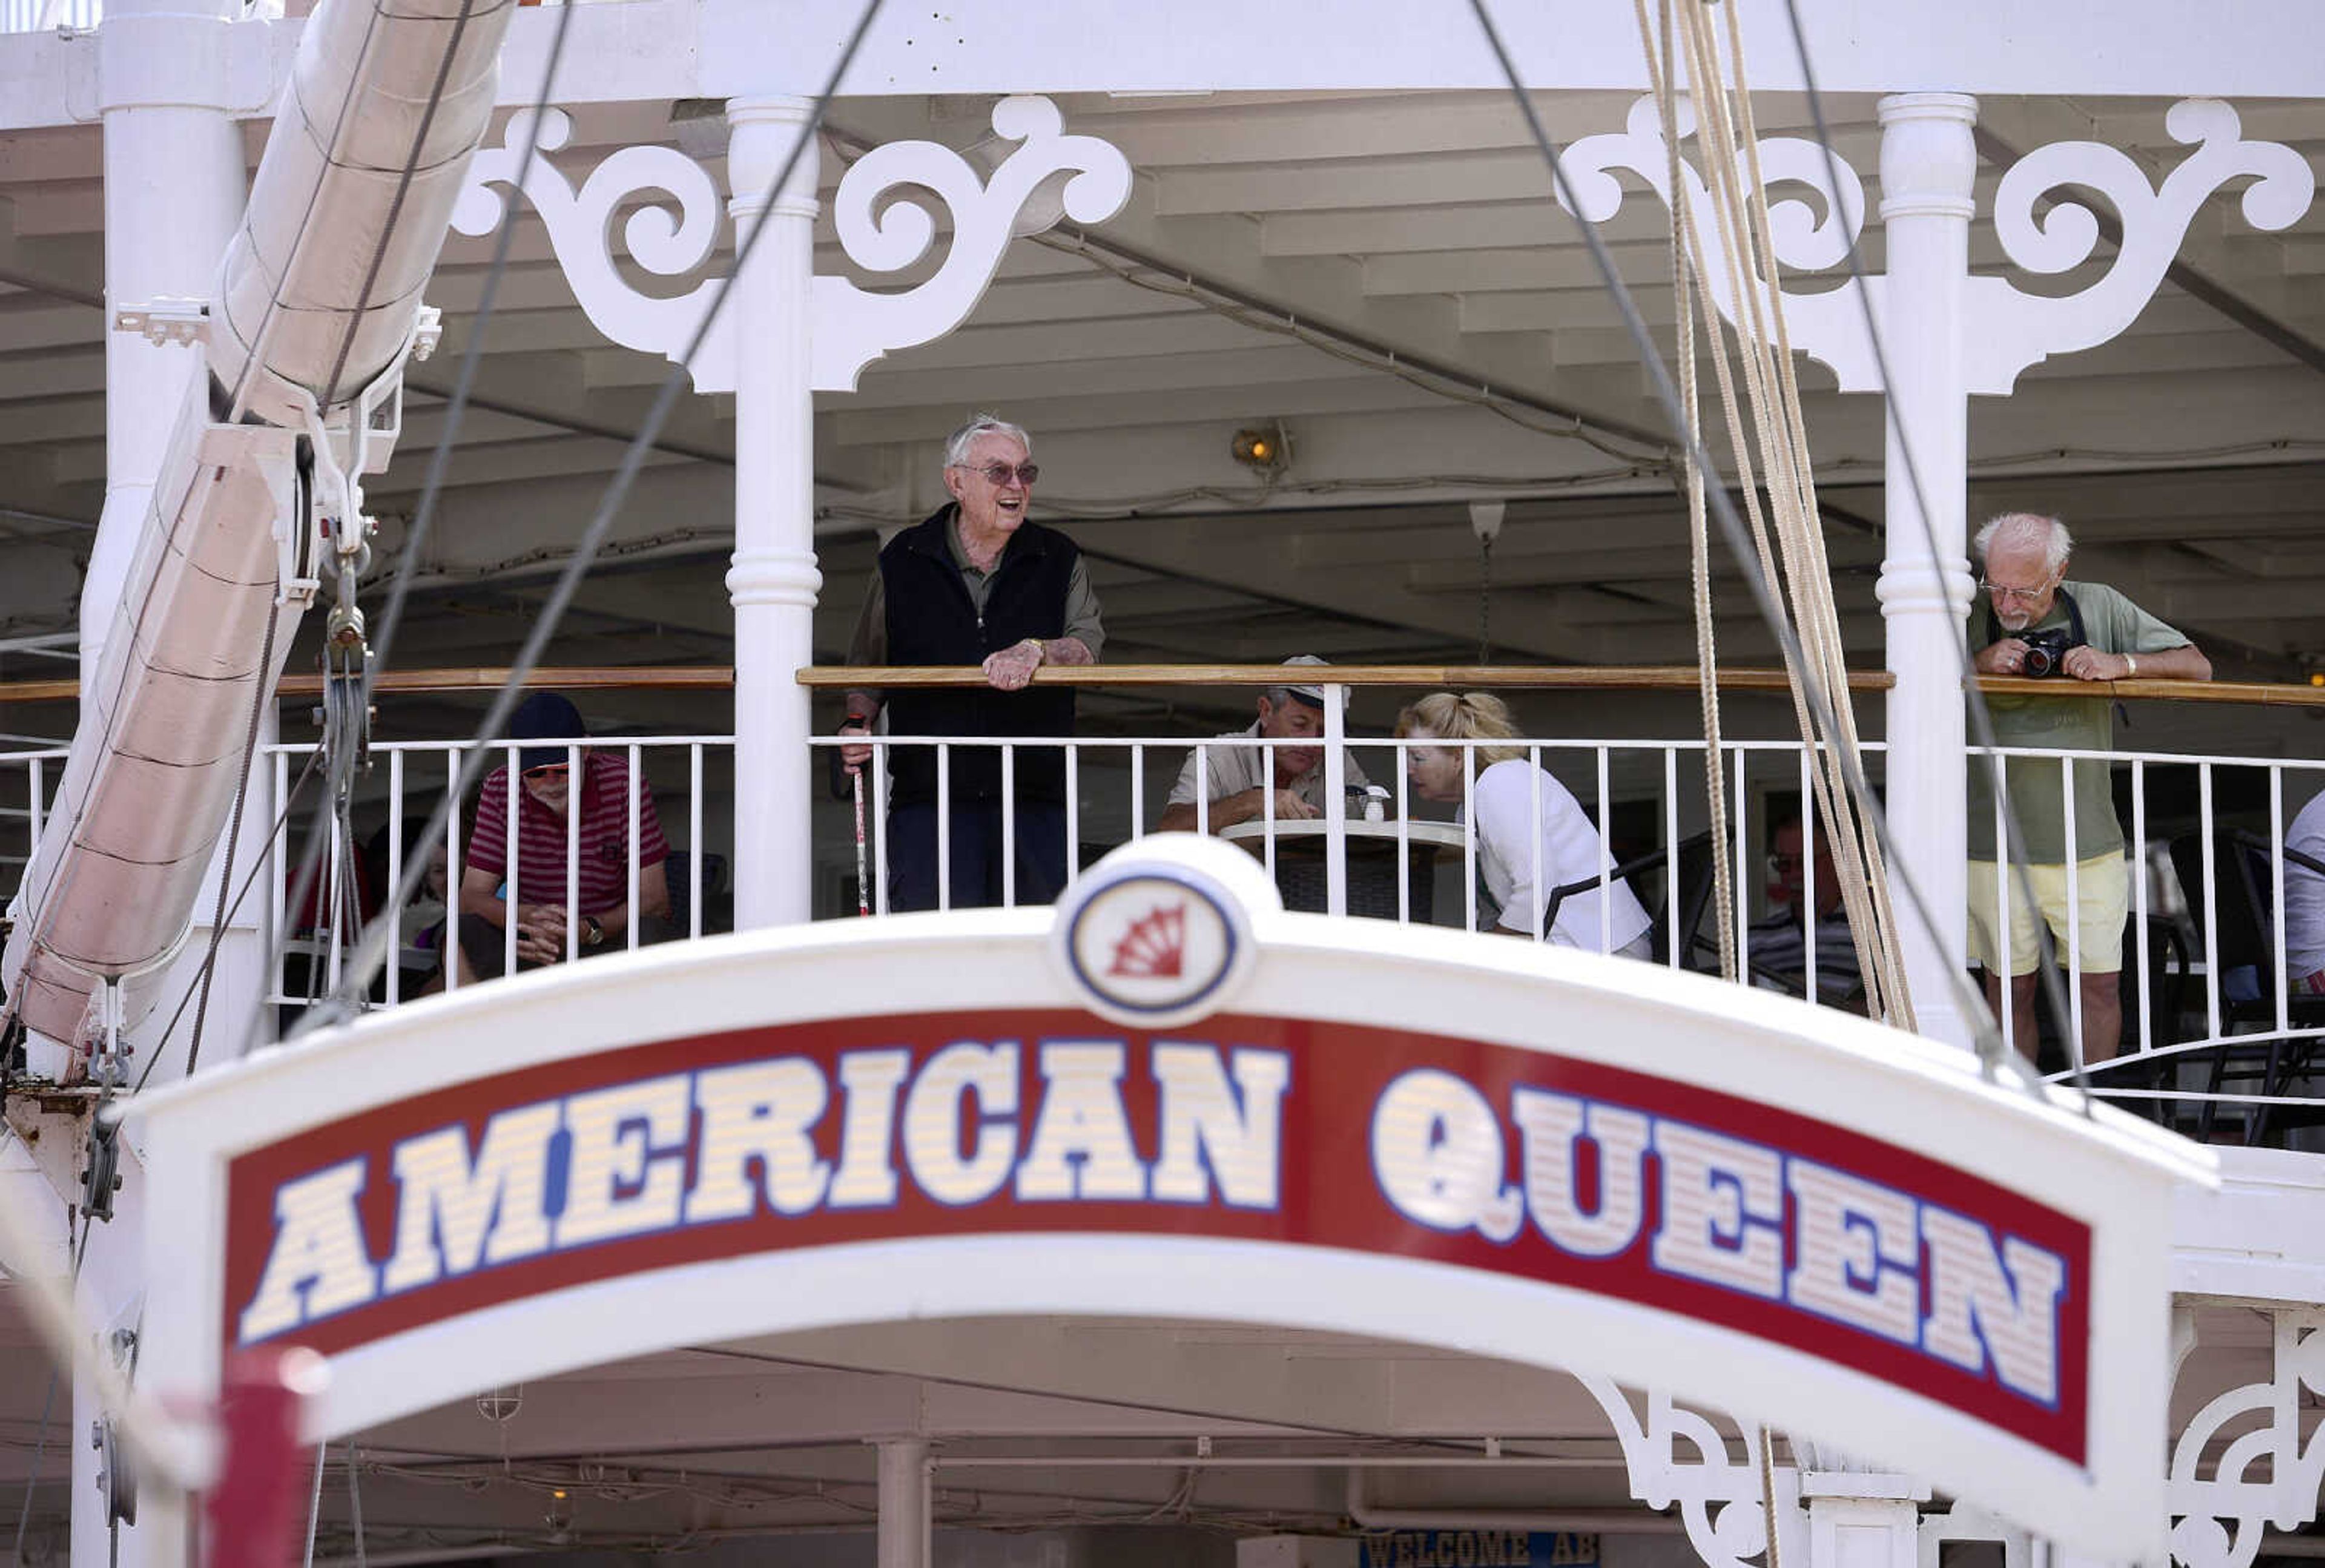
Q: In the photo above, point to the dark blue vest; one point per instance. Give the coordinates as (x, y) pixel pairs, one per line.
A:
(933, 620)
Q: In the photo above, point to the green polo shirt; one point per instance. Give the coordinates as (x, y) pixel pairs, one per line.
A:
(2113, 625)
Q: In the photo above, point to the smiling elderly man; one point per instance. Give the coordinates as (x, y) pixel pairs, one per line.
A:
(975, 583)
(2034, 622)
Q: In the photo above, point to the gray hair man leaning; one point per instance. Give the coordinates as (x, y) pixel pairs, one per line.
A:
(2031, 621)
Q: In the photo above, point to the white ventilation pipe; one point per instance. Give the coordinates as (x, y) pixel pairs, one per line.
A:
(352, 201)
(316, 300)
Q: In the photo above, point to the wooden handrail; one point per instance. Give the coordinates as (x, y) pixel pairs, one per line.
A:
(1466, 677)
(1460, 677)
(2249, 693)
(576, 678)
(1553, 678)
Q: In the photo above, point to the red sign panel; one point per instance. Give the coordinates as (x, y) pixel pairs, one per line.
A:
(1739, 1215)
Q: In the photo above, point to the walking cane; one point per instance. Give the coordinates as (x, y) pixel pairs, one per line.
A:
(863, 885)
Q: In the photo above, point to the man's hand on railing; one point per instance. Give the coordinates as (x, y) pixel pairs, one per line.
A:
(2089, 664)
(1011, 669)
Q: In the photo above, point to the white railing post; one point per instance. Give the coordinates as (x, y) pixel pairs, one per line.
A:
(1336, 799)
(774, 580)
(1928, 162)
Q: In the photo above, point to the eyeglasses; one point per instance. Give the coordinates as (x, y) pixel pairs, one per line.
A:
(2020, 595)
(545, 772)
(999, 473)
(1782, 865)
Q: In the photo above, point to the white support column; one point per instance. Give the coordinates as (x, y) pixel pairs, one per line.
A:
(1928, 161)
(1863, 1521)
(174, 188)
(175, 183)
(904, 1504)
(774, 580)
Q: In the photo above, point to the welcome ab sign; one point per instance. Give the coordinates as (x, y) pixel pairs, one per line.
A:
(1170, 1097)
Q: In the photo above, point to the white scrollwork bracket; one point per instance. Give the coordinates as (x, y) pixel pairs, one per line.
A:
(578, 223)
(1090, 180)
(2005, 328)
(1808, 237)
(883, 225)
(1718, 1498)
(2218, 1521)
(2009, 330)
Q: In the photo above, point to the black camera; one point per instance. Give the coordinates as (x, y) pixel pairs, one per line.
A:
(2046, 650)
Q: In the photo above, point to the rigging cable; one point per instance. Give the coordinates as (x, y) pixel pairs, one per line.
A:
(1981, 718)
(1698, 538)
(373, 949)
(1659, 378)
(1778, 424)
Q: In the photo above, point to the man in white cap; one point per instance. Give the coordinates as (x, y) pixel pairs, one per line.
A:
(1237, 780)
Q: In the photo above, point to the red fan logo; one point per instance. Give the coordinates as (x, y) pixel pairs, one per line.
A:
(1155, 945)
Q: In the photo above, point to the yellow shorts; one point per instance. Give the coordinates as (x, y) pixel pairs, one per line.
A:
(2102, 898)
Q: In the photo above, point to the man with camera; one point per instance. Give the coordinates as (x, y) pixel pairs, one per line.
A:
(2033, 622)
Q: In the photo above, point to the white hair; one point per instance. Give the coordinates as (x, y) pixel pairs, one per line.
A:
(957, 445)
(2034, 528)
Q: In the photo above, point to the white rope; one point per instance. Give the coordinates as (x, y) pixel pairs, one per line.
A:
(1732, 185)
(1684, 281)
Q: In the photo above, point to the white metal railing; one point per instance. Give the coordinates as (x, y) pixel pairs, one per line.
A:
(2212, 995)
(321, 931)
(2215, 1021)
(1601, 774)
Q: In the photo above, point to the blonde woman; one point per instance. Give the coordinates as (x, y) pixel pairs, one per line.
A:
(1531, 835)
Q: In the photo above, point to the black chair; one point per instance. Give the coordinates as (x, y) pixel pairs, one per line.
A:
(1683, 920)
(2245, 939)
(678, 868)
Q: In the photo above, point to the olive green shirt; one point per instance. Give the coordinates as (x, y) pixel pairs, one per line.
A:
(2113, 625)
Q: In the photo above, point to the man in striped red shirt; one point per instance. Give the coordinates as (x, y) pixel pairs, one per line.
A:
(551, 917)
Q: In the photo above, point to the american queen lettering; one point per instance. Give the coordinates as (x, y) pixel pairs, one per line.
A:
(1524, 1163)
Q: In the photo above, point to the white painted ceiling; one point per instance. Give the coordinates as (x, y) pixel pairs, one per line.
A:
(2187, 453)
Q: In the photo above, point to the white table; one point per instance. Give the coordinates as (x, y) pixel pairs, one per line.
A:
(1372, 847)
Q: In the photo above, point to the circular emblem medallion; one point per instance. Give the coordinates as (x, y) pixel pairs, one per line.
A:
(1153, 944)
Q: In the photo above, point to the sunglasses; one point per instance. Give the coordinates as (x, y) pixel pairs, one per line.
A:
(1000, 473)
(545, 772)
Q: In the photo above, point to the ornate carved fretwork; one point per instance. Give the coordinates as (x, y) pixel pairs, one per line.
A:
(2263, 1474)
(883, 224)
(666, 244)
(1679, 1458)
(2005, 329)
(881, 234)
(1808, 236)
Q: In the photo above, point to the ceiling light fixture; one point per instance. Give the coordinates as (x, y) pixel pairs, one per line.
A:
(1267, 448)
